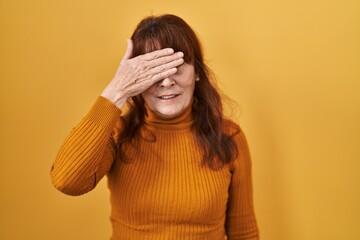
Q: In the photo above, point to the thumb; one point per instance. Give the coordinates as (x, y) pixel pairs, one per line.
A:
(129, 49)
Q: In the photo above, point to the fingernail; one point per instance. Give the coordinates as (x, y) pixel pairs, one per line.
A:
(180, 54)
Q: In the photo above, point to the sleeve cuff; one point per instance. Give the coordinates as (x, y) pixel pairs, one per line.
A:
(103, 112)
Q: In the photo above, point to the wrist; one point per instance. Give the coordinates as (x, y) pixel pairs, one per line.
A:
(118, 99)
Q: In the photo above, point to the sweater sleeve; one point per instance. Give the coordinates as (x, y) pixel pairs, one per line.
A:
(240, 217)
(88, 152)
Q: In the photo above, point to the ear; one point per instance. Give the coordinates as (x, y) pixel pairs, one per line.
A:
(197, 77)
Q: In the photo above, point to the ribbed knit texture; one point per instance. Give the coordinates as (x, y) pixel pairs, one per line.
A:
(163, 191)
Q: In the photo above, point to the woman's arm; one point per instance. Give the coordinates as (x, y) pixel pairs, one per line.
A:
(88, 152)
(240, 217)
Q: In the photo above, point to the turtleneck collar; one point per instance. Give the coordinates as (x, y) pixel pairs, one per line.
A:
(181, 122)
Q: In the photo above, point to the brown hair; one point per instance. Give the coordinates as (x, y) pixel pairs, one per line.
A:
(165, 31)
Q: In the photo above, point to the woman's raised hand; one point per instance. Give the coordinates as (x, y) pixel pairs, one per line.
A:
(135, 75)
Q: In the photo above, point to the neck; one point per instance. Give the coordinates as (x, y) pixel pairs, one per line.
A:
(182, 121)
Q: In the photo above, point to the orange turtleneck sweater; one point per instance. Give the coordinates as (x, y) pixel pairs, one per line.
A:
(163, 192)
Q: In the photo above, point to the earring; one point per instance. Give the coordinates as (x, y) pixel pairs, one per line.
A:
(197, 79)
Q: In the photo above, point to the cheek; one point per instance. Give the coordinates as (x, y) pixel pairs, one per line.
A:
(148, 93)
(186, 83)
(189, 88)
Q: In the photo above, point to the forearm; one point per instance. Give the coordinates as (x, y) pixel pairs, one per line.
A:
(88, 151)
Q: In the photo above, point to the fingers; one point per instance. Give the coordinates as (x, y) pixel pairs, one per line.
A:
(165, 60)
(157, 54)
(129, 49)
(162, 75)
(147, 69)
(166, 66)
(151, 79)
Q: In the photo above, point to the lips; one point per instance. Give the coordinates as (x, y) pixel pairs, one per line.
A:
(168, 97)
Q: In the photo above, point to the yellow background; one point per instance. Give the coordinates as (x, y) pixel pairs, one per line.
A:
(292, 66)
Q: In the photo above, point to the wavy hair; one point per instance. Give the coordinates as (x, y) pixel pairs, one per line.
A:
(156, 32)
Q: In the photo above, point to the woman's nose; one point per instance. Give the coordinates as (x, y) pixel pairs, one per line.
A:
(166, 82)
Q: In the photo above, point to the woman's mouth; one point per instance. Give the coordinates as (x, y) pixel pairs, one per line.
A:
(168, 97)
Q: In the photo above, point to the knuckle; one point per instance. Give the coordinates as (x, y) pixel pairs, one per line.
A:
(163, 67)
(143, 66)
(138, 68)
(165, 60)
(135, 68)
(162, 75)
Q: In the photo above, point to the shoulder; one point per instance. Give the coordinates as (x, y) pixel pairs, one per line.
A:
(233, 130)
(237, 135)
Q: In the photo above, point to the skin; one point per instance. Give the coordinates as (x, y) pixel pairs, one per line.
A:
(157, 75)
(169, 97)
(135, 75)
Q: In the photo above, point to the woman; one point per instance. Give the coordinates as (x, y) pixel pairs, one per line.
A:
(176, 169)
